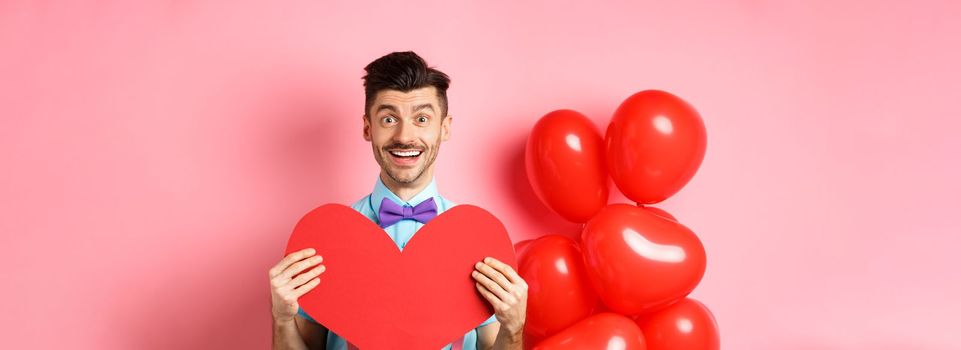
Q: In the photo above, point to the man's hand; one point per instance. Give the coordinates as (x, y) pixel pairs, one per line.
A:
(285, 289)
(506, 292)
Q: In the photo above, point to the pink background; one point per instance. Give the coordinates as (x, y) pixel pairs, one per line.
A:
(156, 155)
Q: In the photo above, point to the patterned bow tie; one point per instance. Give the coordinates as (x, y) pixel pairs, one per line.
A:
(390, 213)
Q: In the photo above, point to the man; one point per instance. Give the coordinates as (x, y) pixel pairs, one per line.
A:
(405, 120)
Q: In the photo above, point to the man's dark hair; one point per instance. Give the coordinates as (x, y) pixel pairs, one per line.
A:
(403, 71)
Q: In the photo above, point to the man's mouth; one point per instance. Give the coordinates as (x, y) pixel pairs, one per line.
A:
(405, 157)
(406, 154)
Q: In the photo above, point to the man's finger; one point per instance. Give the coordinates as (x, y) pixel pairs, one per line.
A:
(492, 286)
(306, 287)
(491, 298)
(504, 269)
(300, 266)
(307, 276)
(494, 275)
(290, 259)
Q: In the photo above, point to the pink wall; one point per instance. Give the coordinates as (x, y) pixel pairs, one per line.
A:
(156, 155)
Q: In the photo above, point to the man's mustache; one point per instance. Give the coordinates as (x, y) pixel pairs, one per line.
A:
(396, 146)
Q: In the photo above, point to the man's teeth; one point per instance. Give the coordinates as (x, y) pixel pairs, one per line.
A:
(406, 153)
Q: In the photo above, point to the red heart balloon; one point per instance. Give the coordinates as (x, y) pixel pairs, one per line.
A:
(638, 261)
(655, 143)
(601, 331)
(565, 165)
(660, 212)
(558, 293)
(372, 294)
(521, 246)
(686, 324)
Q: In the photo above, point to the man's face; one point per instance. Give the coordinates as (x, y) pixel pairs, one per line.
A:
(405, 130)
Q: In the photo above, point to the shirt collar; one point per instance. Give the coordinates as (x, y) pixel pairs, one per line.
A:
(381, 191)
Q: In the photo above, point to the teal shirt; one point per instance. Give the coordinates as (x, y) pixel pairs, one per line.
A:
(401, 233)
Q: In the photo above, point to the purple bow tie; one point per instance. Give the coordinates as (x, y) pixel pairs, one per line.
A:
(390, 213)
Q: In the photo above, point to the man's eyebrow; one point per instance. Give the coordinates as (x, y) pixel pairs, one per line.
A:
(387, 107)
(424, 106)
(394, 109)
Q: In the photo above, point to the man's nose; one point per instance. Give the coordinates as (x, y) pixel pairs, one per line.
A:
(406, 132)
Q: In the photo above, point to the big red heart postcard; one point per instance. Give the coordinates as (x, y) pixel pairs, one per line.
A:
(377, 297)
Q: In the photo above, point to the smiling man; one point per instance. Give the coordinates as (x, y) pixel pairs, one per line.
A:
(405, 120)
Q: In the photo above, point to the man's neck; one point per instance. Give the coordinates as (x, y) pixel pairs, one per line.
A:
(406, 191)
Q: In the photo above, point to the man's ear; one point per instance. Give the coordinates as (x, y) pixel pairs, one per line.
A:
(366, 127)
(445, 127)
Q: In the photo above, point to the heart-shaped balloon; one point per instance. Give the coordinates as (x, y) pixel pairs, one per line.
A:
(374, 295)
(660, 212)
(686, 324)
(638, 261)
(655, 143)
(520, 247)
(565, 165)
(601, 331)
(558, 293)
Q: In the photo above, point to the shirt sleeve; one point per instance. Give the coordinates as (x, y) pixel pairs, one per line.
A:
(489, 321)
(302, 313)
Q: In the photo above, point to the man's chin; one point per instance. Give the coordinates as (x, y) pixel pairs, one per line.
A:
(405, 176)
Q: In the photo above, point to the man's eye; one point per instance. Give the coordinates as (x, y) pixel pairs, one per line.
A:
(388, 119)
(422, 119)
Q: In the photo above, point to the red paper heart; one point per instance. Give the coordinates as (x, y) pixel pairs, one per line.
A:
(377, 297)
